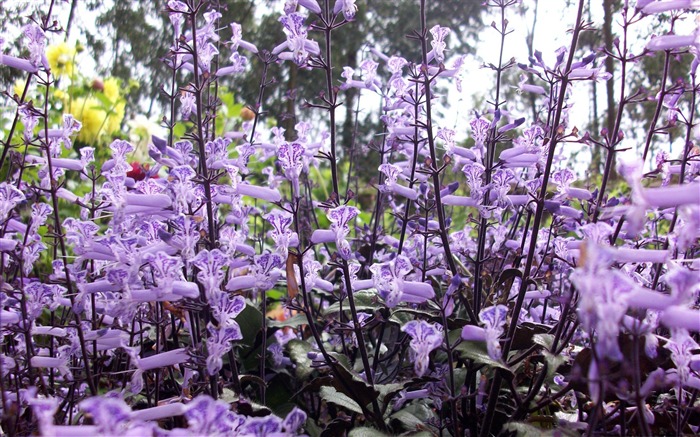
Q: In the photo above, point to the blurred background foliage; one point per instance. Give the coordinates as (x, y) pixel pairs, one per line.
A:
(128, 39)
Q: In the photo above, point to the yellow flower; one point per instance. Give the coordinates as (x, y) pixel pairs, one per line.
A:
(111, 89)
(114, 120)
(60, 94)
(60, 58)
(86, 111)
(19, 86)
(98, 124)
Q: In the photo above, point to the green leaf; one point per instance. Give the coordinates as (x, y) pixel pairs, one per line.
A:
(544, 340)
(414, 416)
(330, 394)
(293, 322)
(553, 363)
(250, 321)
(475, 350)
(298, 353)
(525, 334)
(358, 389)
(388, 389)
(364, 301)
(366, 432)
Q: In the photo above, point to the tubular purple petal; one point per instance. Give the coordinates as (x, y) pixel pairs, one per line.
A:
(473, 333)
(417, 292)
(262, 193)
(8, 318)
(649, 299)
(73, 431)
(152, 200)
(681, 317)
(7, 245)
(670, 42)
(163, 359)
(625, 255)
(241, 283)
(362, 284)
(579, 193)
(512, 153)
(452, 200)
(677, 195)
(186, 289)
(323, 236)
(18, 63)
(327, 286)
(159, 412)
(658, 7)
(311, 5)
(404, 191)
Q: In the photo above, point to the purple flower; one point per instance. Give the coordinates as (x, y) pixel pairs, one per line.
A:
(219, 344)
(291, 6)
(392, 173)
(36, 43)
(10, 197)
(294, 420)
(425, 338)
(262, 426)
(227, 308)
(340, 217)
(347, 7)
(388, 279)
(523, 86)
(111, 415)
(671, 42)
(18, 63)
(438, 43)
(280, 233)
(187, 103)
(297, 41)
(211, 271)
(176, 10)
(238, 65)
(291, 160)
(206, 416)
(237, 39)
(493, 318)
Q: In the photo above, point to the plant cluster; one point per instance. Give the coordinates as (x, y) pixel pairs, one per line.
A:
(237, 285)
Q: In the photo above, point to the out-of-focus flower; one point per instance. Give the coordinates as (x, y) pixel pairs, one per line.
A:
(347, 7)
(657, 7)
(60, 58)
(97, 121)
(111, 89)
